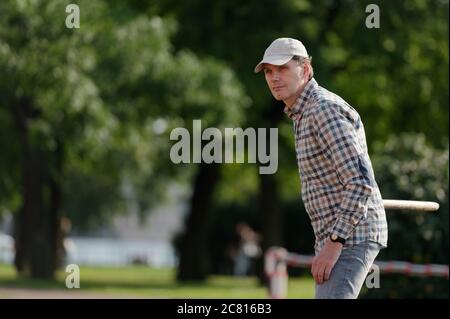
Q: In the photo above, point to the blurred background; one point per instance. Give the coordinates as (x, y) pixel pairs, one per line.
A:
(85, 120)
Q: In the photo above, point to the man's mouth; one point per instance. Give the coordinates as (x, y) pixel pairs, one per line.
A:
(276, 88)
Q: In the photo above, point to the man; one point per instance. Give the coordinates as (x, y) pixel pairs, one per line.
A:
(338, 185)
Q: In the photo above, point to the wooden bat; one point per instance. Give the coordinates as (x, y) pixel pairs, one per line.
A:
(410, 205)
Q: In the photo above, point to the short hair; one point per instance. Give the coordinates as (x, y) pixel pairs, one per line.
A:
(301, 59)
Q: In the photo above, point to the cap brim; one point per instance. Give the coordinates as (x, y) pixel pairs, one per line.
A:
(275, 60)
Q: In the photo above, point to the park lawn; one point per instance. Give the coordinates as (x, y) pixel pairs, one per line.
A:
(145, 282)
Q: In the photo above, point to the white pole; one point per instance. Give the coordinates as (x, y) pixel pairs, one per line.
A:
(410, 205)
(276, 271)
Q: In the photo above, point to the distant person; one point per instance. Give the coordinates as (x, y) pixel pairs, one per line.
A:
(339, 190)
(248, 249)
(65, 244)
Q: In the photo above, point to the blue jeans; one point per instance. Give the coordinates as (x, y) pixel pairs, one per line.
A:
(349, 272)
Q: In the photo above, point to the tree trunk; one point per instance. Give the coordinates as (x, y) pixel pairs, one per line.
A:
(272, 223)
(55, 219)
(37, 217)
(194, 261)
(269, 201)
(36, 224)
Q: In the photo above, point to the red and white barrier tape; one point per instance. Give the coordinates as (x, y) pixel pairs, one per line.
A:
(388, 267)
(278, 259)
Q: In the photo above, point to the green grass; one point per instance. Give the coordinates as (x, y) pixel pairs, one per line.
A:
(145, 282)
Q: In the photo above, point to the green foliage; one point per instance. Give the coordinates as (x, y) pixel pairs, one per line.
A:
(109, 92)
(400, 68)
(408, 168)
(397, 75)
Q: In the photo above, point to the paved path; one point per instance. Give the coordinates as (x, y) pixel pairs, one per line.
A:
(20, 293)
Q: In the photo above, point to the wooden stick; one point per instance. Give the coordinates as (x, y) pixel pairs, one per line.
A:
(410, 205)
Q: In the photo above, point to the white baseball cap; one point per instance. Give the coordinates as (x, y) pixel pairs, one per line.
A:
(281, 51)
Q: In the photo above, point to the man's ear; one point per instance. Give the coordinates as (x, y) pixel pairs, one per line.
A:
(306, 69)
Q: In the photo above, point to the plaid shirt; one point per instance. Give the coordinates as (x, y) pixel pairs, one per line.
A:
(339, 190)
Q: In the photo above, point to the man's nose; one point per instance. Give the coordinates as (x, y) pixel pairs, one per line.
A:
(275, 77)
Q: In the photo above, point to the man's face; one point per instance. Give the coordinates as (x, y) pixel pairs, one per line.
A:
(285, 81)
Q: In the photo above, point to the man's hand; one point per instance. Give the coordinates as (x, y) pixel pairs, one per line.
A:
(324, 262)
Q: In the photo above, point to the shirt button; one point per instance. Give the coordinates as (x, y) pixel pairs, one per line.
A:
(354, 220)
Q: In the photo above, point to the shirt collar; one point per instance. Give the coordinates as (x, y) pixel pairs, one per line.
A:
(296, 110)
